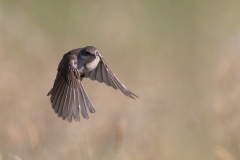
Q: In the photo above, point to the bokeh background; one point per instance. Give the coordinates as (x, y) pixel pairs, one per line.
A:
(180, 56)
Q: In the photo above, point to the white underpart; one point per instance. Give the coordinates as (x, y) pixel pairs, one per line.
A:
(84, 67)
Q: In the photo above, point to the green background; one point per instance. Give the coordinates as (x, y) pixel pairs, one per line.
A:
(181, 57)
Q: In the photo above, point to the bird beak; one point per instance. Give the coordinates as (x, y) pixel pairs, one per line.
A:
(96, 54)
(93, 55)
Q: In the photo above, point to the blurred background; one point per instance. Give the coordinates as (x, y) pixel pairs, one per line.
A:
(180, 57)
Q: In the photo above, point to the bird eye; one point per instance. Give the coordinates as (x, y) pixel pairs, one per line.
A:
(85, 53)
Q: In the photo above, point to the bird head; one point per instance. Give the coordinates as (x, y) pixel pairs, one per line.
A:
(88, 54)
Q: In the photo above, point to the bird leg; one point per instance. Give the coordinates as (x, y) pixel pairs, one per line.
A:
(82, 76)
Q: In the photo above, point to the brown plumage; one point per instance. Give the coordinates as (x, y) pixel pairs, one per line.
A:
(68, 95)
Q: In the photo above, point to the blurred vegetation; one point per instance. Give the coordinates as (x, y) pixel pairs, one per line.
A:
(180, 57)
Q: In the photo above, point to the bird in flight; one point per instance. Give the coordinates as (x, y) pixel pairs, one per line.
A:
(68, 96)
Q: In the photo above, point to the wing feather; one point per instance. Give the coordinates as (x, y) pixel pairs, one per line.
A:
(93, 74)
(87, 101)
(63, 101)
(83, 104)
(99, 73)
(56, 91)
(106, 77)
(67, 95)
(70, 107)
(66, 104)
(102, 73)
(60, 100)
(76, 106)
(55, 88)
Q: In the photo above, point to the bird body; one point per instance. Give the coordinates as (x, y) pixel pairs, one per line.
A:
(68, 96)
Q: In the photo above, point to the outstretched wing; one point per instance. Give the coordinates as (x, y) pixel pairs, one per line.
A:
(102, 73)
(68, 96)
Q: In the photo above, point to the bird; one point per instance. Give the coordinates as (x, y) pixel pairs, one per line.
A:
(67, 96)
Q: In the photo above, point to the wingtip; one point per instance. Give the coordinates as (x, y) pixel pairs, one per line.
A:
(69, 120)
(49, 93)
(86, 117)
(92, 110)
(134, 97)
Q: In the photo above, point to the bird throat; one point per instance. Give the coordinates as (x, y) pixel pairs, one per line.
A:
(89, 66)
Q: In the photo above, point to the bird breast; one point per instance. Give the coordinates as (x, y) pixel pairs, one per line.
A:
(89, 66)
(93, 64)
